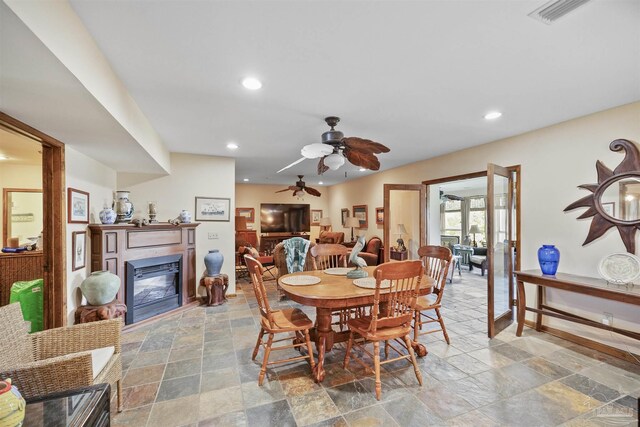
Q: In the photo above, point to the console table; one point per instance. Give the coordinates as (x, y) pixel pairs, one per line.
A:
(82, 407)
(572, 283)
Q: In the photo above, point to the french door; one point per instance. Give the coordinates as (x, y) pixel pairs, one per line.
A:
(502, 239)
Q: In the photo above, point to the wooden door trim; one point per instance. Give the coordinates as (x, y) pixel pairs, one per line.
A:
(464, 176)
(54, 221)
(387, 208)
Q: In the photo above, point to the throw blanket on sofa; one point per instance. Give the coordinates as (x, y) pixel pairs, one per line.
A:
(296, 253)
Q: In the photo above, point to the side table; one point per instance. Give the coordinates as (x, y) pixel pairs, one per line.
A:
(93, 313)
(398, 255)
(82, 407)
(216, 288)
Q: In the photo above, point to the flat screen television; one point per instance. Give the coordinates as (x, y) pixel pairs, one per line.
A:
(284, 218)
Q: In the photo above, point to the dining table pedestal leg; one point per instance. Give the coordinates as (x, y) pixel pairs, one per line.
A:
(324, 340)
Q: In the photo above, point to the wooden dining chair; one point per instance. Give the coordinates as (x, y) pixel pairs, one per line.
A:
(328, 255)
(390, 318)
(274, 322)
(436, 260)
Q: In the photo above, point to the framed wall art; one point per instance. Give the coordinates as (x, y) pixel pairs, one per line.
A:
(360, 212)
(380, 216)
(344, 214)
(316, 215)
(248, 213)
(77, 206)
(78, 250)
(212, 209)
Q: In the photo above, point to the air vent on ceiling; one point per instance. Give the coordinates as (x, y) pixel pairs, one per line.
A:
(555, 9)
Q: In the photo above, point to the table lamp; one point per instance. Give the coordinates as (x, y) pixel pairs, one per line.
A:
(474, 230)
(325, 223)
(400, 231)
(352, 222)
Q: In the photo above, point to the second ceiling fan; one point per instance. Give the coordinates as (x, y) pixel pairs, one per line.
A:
(335, 147)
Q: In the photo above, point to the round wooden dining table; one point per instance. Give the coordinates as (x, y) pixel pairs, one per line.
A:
(336, 292)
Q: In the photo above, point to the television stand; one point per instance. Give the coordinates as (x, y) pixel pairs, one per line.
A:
(269, 241)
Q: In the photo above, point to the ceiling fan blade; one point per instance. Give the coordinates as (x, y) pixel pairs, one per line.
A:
(312, 191)
(322, 168)
(453, 197)
(313, 151)
(282, 191)
(362, 159)
(292, 164)
(367, 145)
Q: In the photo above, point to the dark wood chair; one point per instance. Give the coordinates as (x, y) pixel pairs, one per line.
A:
(390, 318)
(436, 261)
(274, 322)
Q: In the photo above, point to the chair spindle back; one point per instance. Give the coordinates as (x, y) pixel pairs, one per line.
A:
(436, 260)
(328, 255)
(255, 272)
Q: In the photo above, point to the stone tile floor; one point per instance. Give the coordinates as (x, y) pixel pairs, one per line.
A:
(195, 369)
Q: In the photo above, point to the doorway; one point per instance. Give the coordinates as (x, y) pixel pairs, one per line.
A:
(477, 216)
(53, 219)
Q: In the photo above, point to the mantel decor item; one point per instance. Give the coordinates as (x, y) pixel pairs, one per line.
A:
(620, 268)
(153, 212)
(77, 206)
(107, 215)
(123, 206)
(101, 287)
(213, 260)
(185, 216)
(621, 185)
(548, 257)
(12, 404)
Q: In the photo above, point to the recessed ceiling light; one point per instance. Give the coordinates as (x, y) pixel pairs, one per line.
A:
(492, 115)
(232, 146)
(320, 182)
(246, 180)
(362, 169)
(251, 83)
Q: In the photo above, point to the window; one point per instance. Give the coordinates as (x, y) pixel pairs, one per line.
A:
(478, 216)
(452, 218)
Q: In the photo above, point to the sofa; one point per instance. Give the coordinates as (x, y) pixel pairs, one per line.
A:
(371, 251)
(478, 259)
(331, 237)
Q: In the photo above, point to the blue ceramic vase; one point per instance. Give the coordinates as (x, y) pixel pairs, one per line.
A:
(548, 257)
(107, 215)
(213, 260)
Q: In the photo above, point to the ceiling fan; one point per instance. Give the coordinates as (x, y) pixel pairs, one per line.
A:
(445, 197)
(335, 147)
(300, 188)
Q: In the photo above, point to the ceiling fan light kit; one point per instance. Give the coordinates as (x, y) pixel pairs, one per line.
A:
(334, 161)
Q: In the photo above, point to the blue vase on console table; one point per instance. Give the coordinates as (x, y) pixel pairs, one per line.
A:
(548, 257)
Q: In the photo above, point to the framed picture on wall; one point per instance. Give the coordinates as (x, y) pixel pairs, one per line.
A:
(360, 212)
(316, 214)
(344, 214)
(380, 216)
(212, 209)
(77, 206)
(248, 213)
(78, 250)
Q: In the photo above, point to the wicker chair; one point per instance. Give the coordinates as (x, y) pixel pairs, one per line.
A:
(390, 319)
(58, 359)
(436, 260)
(277, 321)
(280, 261)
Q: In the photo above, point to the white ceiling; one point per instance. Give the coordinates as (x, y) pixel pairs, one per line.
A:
(415, 76)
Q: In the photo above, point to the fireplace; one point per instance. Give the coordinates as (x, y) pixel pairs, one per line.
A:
(153, 286)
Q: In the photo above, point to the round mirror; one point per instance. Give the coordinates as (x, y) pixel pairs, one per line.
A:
(621, 199)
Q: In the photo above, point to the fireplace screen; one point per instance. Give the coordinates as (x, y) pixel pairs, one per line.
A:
(153, 286)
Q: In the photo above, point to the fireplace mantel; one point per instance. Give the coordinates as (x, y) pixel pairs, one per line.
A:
(112, 246)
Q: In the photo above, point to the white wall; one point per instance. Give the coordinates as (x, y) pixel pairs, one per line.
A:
(86, 174)
(555, 160)
(191, 176)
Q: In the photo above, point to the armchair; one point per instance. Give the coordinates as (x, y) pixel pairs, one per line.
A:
(371, 251)
(478, 259)
(331, 237)
(59, 359)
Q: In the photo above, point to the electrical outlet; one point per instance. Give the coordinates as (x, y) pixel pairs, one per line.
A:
(607, 319)
(213, 236)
